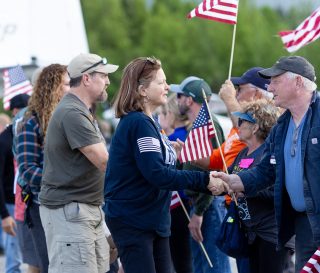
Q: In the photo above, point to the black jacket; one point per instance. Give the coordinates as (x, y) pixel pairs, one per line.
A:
(6, 171)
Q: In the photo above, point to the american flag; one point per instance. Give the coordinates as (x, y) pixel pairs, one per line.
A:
(313, 265)
(15, 83)
(175, 201)
(305, 33)
(224, 11)
(198, 144)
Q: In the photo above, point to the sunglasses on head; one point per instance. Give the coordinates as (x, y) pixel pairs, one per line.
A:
(103, 61)
(149, 60)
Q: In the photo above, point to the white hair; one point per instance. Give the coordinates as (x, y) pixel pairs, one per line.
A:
(265, 94)
(308, 84)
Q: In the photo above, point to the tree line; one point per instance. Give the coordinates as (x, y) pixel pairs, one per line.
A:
(124, 29)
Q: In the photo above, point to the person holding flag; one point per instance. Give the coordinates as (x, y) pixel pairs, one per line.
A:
(207, 212)
(141, 172)
(291, 158)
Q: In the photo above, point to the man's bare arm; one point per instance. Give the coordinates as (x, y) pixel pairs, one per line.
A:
(97, 154)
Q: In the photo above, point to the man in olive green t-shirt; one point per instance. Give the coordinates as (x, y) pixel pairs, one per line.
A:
(75, 158)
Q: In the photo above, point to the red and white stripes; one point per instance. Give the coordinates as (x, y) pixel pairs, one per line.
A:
(224, 11)
(313, 265)
(307, 32)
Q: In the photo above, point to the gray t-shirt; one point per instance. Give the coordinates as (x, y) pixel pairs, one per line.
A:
(68, 175)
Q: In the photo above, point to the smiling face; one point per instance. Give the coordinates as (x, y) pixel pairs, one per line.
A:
(157, 91)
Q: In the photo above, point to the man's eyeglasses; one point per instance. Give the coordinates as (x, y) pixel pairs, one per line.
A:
(103, 61)
(149, 60)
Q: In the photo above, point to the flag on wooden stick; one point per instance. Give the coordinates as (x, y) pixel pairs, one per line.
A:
(198, 144)
(15, 83)
(224, 11)
(307, 32)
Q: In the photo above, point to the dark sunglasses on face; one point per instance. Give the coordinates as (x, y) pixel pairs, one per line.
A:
(179, 95)
(103, 61)
(149, 60)
(240, 121)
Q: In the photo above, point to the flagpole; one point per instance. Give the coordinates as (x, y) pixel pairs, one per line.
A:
(232, 50)
(200, 243)
(218, 141)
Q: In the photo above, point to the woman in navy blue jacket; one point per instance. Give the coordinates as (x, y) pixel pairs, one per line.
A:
(141, 172)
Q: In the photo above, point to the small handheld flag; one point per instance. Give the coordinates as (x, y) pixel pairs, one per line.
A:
(198, 144)
(307, 32)
(15, 83)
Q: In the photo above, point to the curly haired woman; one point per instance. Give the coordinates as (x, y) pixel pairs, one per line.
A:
(257, 213)
(52, 84)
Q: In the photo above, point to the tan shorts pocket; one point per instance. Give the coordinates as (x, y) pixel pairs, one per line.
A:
(75, 253)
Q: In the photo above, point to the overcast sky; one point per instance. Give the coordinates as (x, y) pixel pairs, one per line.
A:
(287, 3)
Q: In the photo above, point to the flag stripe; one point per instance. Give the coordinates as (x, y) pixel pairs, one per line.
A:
(175, 202)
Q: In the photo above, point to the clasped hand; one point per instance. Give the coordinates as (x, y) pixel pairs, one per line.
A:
(221, 182)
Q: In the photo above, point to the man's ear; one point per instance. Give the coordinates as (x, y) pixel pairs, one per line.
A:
(85, 79)
(299, 81)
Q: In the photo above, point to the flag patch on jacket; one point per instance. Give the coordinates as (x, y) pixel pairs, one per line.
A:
(148, 144)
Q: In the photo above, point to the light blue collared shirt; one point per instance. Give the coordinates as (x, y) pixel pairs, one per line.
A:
(293, 165)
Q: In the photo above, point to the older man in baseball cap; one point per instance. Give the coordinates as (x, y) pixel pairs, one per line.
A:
(291, 158)
(75, 158)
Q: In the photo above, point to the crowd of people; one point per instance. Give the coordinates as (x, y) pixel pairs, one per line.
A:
(71, 202)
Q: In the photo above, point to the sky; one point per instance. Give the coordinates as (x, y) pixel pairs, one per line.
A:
(284, 4)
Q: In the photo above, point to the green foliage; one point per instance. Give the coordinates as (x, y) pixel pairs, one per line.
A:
(125, 29)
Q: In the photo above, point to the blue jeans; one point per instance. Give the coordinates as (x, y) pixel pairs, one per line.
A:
(212, 220)
(12, 248)
(305, 246)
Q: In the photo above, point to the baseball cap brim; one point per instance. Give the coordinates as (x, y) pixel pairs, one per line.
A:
(271, 72)
(175, 88)
(243, 116)
(238, 80)
(108, 68)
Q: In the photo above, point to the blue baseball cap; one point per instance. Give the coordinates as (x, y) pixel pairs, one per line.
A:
(245, 116)
(192, 87)
(252, 76)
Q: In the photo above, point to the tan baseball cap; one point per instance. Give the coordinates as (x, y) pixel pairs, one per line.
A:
(86, 63)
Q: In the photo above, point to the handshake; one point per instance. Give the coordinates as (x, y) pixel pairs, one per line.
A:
(224, 183)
